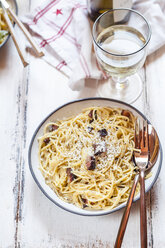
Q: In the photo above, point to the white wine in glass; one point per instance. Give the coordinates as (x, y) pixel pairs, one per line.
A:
(121, 40)
(121, 51)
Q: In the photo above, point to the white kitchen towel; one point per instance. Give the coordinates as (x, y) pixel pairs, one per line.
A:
(63, 31)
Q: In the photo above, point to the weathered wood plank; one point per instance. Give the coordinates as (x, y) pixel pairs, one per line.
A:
(155, 75)
(28, 95)
(7, 162)
(10, 78)
(19, 138)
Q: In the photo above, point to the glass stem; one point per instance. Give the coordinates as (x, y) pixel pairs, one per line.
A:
(120, 83)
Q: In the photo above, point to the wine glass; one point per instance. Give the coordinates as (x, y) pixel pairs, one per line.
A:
(121, 38)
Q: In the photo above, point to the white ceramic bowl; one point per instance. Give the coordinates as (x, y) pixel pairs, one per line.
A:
(67, 110)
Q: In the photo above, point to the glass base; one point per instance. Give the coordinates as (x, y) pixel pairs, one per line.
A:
(128, 91)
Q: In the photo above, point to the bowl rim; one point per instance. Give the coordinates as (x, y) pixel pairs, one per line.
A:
(16, 11)
(93, 213)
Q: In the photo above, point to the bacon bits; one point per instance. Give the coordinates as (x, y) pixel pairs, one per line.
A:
(46, 141)
(95, 114)
(90, 163)
(85, 202)
(53, 127)
(125, 113)
(91, 114)
(70, 175)
(99, 148)
(90, 129)
(103, 132)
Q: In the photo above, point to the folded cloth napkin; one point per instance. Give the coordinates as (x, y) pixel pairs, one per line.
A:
(63, 30)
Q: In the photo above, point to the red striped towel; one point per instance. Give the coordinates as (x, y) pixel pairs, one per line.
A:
(62, 29)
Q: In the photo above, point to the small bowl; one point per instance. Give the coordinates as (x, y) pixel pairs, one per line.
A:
(67, 110)
(14, 7)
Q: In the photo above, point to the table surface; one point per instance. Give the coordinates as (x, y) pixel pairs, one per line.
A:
(27, 218)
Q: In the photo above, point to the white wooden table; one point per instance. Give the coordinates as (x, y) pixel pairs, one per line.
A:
(27, 218)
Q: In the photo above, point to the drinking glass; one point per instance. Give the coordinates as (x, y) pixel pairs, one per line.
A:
(121, 38)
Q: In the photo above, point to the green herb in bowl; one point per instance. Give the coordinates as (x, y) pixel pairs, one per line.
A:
(3, 35)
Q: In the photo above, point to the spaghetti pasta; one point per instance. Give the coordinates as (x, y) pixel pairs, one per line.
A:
(87, 159)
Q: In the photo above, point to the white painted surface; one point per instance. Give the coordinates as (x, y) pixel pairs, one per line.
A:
(27, 218)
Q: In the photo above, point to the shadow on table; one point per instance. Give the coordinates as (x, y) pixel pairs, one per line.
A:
(155, 56)
(90, 89)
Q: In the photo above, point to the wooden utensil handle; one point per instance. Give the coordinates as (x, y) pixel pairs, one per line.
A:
(26, 32)
(11, 29)
(126, 214)
(143, 216)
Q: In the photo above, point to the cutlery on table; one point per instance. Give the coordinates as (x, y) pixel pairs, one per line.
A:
(142, 159)
(154, 151)
(6, 9)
